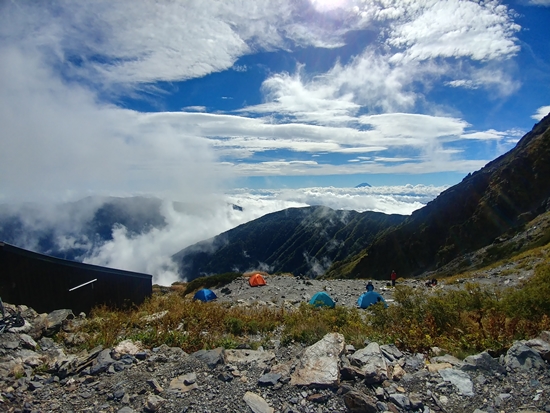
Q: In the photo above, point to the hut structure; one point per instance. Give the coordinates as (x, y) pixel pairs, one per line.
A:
(47, 283)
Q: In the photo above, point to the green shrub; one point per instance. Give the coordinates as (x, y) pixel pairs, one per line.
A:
(532, 300)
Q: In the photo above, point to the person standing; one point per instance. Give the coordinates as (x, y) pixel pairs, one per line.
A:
(393, 277)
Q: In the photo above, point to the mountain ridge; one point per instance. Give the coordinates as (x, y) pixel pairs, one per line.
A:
(495, 201)
(498, 199)
(301, 241)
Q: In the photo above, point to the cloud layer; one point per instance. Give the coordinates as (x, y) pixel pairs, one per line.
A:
(187, 223)
(66, 67)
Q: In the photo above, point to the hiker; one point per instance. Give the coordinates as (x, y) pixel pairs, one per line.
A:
(393, 277)
(370, 287)
(431, 283)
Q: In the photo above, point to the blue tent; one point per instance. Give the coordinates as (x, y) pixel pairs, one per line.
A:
(205, 295)
(369, 298)
(322, 299)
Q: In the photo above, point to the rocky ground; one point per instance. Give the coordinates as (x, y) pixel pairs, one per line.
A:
(291, 291)
(39, 375)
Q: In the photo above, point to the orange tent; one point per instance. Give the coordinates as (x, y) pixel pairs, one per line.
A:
(256, 280)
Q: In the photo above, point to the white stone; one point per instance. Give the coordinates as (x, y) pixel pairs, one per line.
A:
(128, 347)
(319, 363)
(256, 403)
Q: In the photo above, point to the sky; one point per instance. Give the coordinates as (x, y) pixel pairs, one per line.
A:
(286, 102)
(169, 98)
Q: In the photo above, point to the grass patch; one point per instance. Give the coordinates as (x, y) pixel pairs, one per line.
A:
(181, 322)
(309, 324)
(463, 320)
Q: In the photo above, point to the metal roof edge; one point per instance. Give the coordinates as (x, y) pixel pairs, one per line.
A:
(68, 263)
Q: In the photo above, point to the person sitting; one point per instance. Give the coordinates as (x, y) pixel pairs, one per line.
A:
(370, 287)
(431, 283)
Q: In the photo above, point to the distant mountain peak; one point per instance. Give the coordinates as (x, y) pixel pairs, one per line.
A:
(364, 185)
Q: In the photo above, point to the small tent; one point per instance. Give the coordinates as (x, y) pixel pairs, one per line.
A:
(322, 299)
(256, 280)
(369, 298)
(205, 295)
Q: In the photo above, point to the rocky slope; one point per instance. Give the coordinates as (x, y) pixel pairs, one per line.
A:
(40, 374)
(496, 201)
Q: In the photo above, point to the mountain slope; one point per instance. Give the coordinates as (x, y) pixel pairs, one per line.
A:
(296, 240)
(494, 201)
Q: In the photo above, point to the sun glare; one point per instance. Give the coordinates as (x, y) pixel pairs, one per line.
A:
(327, 5)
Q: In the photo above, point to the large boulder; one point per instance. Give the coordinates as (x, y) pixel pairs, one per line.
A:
(319, 365)
(370, 363)
(541, 345)
(482, 361)
(522, 357)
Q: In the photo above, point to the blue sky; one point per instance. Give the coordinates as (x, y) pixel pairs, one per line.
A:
(193, 97)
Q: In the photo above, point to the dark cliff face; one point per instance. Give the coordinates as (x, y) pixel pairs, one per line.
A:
(296, 240)
(498, 199)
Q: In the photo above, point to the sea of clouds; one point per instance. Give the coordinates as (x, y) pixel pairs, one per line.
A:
(188, 221)
(151, 252)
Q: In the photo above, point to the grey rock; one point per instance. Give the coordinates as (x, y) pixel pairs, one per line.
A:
(522, 357)
(460, 379)
(400, 400)
(540, 346)
(269, 379)
(416, 403)
(153, 403)
(447, 358)
(225, 376)
(119, 394)
(482, 361)
(28, 342)
(9, 341)
(155, 385)
(391, 352)
(415, 363)
(371, 363)
(102, 362)
(54, 321)
(211, 357)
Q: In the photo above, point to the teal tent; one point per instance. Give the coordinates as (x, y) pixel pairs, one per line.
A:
(369, 298)
(205, 295)
(322, 299)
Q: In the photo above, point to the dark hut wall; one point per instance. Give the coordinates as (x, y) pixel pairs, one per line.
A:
(44, 283)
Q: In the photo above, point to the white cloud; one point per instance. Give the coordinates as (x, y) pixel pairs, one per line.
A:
(541, 113)
(126, 43)
(194, 109)
(545, 3)
(57, 141)
(430, 29)
(192, 222)
(59, 138)
(465, 83)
